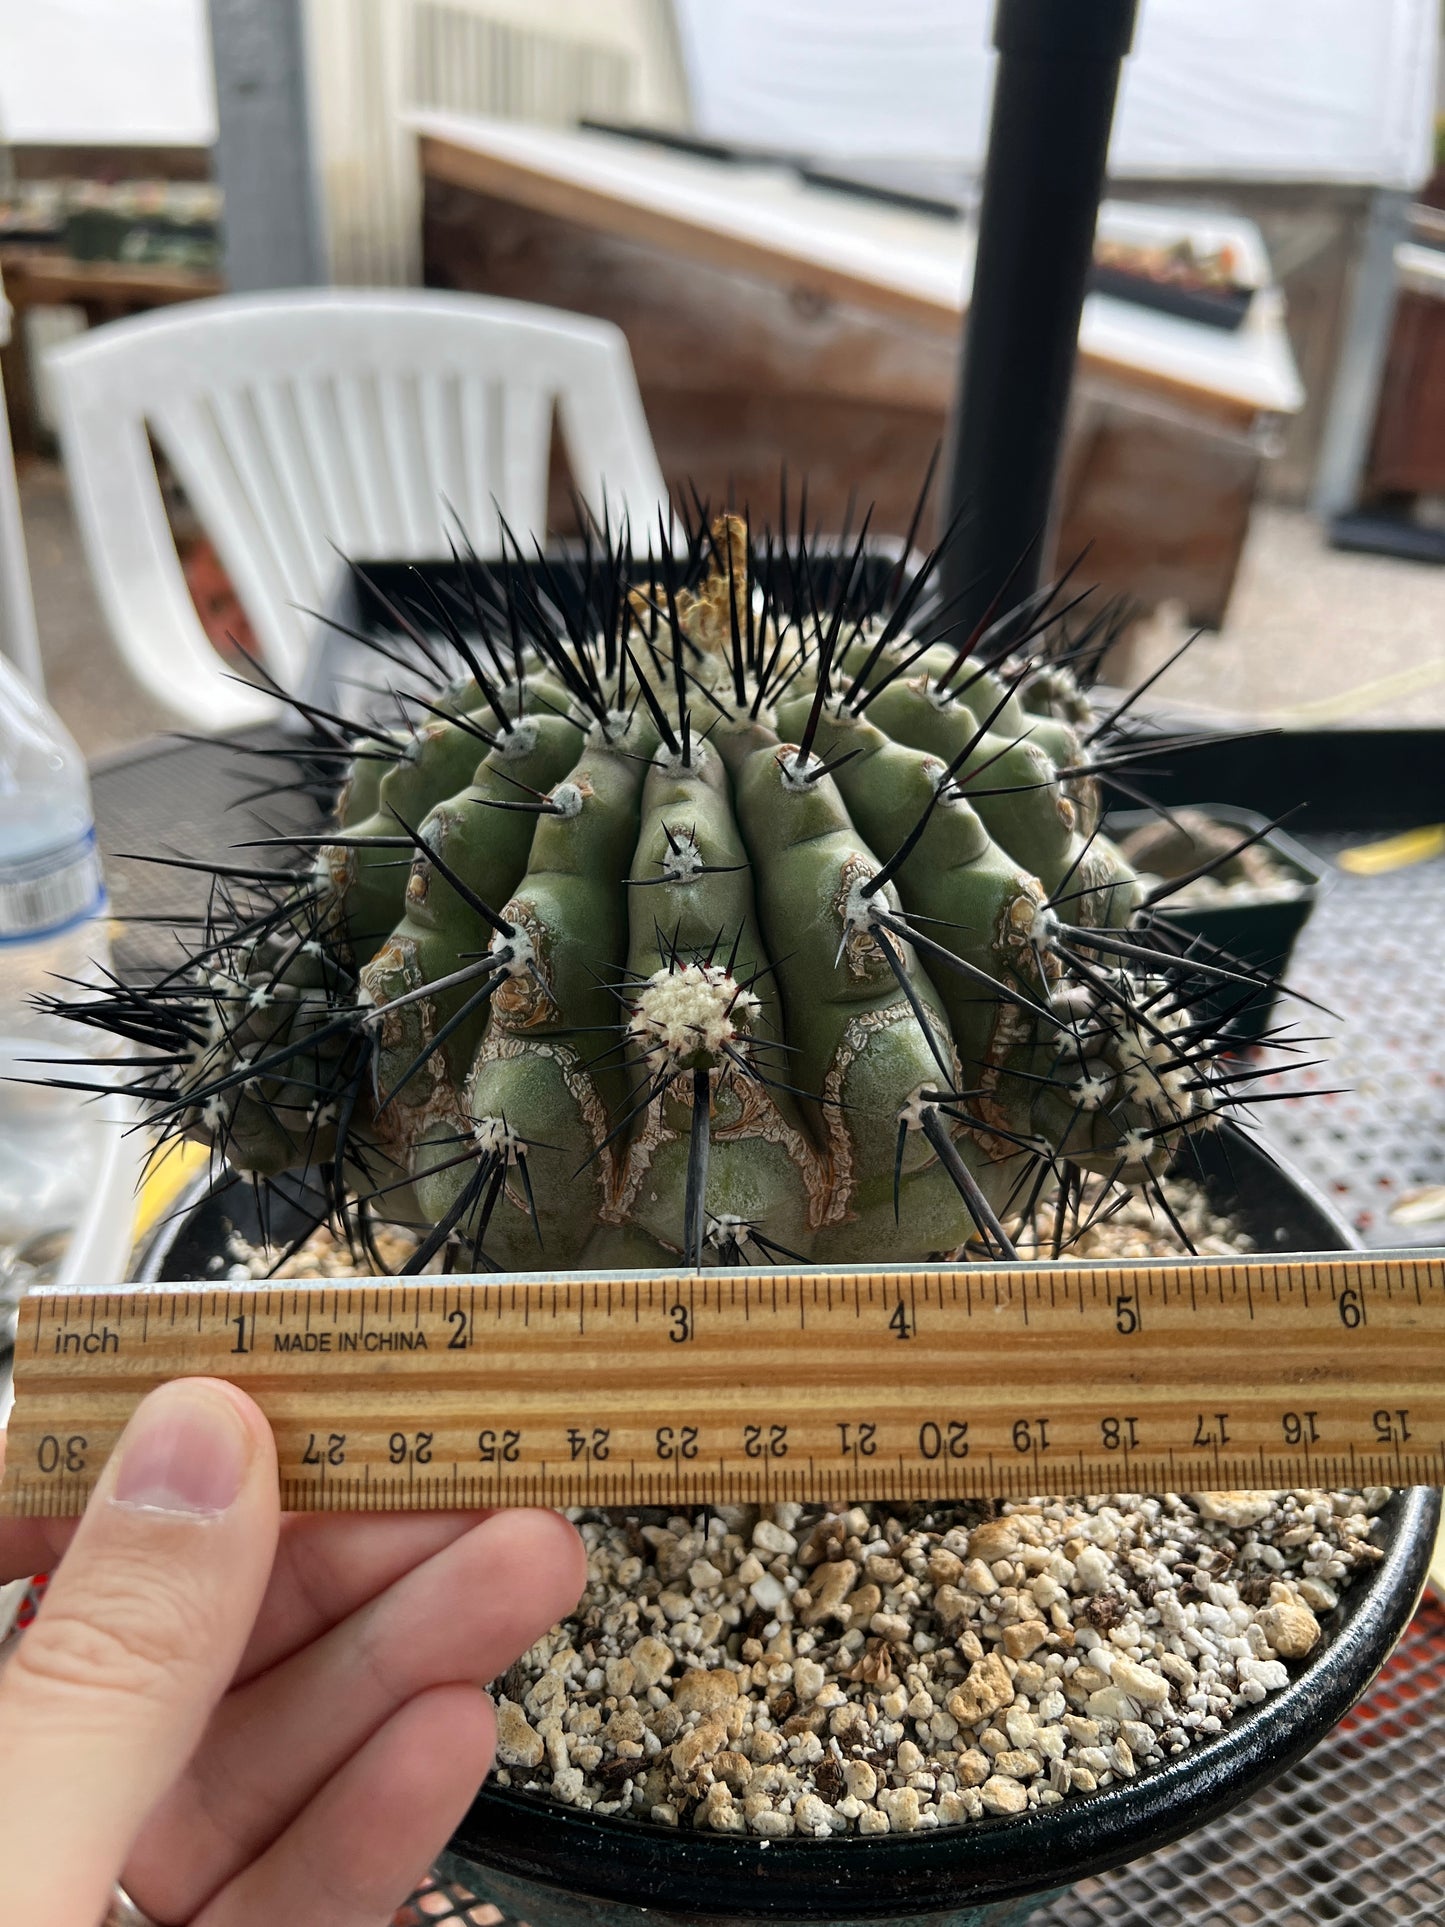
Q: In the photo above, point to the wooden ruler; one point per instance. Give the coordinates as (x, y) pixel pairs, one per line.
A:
(738, 1386)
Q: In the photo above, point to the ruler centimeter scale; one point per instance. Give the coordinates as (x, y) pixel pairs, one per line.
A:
(755, 1386)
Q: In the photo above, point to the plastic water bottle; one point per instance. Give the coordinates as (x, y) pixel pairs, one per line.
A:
(52, 927)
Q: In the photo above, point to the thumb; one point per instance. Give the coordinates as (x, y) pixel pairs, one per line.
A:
(139, 1635)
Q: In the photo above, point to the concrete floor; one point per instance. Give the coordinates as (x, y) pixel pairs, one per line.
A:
(1313, 636)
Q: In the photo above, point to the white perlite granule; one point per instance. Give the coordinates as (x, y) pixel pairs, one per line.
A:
(884, 1669)
(784, 1670)
(322, 1256)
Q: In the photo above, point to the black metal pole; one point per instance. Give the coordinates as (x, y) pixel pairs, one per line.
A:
(1053, 105)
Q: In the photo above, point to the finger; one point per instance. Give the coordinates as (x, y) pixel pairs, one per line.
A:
(107, 1694)
(28, 1546)
(463, 1616)
(326, 1566)
(329, 1565)
(356, 1852)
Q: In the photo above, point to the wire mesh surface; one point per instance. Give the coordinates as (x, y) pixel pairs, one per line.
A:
(1354, 1834)
(184, 799)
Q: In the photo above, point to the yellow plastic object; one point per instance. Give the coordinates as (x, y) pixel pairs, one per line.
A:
(1364, 696)
(1437, 1565)
(166, 1177)
(1394, 852)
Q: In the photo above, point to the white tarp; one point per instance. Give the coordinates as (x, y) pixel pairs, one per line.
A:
(1296, 90)
(106, 72)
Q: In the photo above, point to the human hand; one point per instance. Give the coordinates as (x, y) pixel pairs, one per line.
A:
(246, 1719)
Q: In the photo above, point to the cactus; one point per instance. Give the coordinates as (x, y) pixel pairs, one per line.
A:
(726, 906)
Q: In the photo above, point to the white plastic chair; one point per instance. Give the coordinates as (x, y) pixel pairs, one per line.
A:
(19, 639)
(297, 421)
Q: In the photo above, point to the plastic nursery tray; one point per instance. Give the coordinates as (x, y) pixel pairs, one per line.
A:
(1337, 780)
(1328, 782)
(1213, 307)
(1260, 930)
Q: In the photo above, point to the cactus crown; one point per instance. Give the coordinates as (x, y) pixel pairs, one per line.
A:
(728, 904)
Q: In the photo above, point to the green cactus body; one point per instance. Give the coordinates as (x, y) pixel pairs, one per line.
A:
(721, 926)
(436, 935)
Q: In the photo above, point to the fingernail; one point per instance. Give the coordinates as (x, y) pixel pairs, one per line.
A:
(185, 1451)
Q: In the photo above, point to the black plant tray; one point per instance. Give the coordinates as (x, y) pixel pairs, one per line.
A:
(1325, 781)
(1334, 779)
(1370, 1129)
(1214, 307)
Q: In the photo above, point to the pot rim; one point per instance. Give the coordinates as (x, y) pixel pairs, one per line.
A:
(1227, 1137)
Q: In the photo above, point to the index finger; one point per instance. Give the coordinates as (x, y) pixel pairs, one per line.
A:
(328, 1565)
(106, 1696)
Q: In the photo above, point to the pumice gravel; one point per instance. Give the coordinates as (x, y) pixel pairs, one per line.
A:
(785, 1670)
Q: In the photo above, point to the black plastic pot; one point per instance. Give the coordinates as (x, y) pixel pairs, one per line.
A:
(1260, 931)
(557, 1867)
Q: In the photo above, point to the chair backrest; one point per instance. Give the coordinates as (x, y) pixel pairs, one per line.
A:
(303, 424)
(19, 639)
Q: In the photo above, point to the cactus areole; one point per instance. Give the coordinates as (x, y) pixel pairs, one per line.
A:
(744, 913)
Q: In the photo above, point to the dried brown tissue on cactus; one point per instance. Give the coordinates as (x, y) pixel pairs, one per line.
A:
(723, 901)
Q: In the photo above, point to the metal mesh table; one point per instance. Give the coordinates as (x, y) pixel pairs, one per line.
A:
(184, 799)
(1356, 1833)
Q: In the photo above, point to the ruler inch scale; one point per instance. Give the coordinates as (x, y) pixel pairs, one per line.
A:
(742, 1386)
